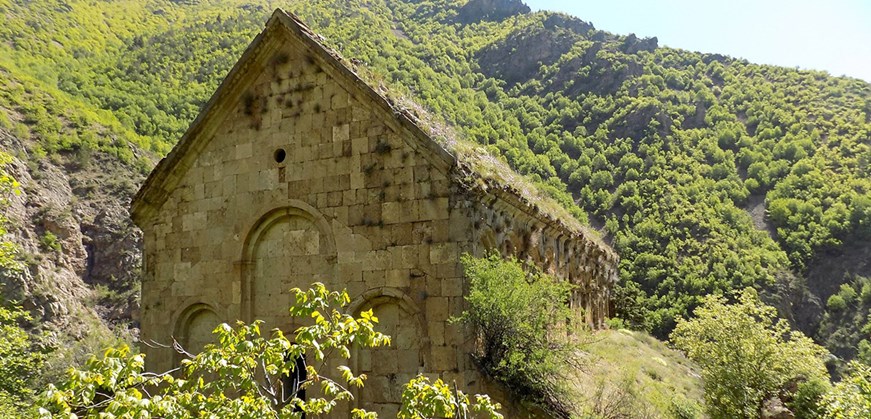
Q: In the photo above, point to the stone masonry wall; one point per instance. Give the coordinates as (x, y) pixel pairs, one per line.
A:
(508, 229)
(350, 205)
(305, 179)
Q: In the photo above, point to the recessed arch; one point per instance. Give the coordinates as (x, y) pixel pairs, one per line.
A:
(287, 247)
(550, 263)
(292, 208)
(193, 328)
(407, 355)
(487, 241)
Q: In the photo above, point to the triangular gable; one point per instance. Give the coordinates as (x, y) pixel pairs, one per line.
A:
(284, 27)
(281, 27)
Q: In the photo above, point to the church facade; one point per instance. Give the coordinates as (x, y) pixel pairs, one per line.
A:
(298, 171)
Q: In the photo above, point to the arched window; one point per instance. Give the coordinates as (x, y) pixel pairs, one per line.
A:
(291, 384)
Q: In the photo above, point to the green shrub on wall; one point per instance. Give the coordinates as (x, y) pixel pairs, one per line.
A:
(527, 333)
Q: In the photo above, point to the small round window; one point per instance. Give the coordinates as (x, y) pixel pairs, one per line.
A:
(279, 155)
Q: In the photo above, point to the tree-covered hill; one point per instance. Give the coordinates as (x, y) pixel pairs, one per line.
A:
(706, 173)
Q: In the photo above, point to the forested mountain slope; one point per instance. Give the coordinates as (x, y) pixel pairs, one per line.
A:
(706, 173)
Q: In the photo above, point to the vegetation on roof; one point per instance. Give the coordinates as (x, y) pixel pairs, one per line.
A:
(485, 169)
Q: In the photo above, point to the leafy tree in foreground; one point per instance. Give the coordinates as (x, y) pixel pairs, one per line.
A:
(8, 186)
(746, 353)
(423, 399)
(243, 375)
(20, 363)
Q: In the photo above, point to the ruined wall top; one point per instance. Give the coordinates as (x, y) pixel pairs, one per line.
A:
(508, 221)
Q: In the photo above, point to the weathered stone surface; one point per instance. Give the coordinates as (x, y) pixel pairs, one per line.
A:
(359, 201)
(773, 408)
(74, 235)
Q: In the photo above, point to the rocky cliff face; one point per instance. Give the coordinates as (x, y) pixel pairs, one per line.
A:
(518, 57)
(491, 10)
(80, 250)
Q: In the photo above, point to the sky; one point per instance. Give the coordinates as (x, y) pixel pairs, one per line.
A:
(830, 35)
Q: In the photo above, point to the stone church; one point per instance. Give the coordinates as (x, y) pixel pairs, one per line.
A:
(298, 171)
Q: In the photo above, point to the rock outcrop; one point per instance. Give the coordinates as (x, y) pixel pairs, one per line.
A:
(633, 45)
(491, 10)
(79, 250)
(774, 408)
(520, 55)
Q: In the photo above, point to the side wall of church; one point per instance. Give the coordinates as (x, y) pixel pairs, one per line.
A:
(506, 228)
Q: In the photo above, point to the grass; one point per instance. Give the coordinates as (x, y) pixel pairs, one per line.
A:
(631, 374)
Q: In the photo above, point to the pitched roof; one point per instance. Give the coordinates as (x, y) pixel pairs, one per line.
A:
(475, 167)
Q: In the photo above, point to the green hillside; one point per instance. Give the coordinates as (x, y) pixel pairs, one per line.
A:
(706, 173)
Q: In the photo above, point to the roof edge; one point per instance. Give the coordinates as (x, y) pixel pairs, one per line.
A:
(152, 194)
(155, 189)
(161, 180)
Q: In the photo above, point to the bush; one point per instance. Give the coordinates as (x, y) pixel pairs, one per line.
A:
(9, 251)
(851, 398)
(864, 351)
(807, 398)
(746, 353)
(848, 293)
(836, 303)
(514, 314)
(614, 400)
(682, 408)
(50, 242)
(866, 291)
(21, 363)
(616, 323)
(4, 120)
(602, 180)
(423, 399)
